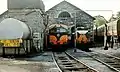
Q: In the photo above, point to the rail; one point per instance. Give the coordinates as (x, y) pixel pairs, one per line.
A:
(67, 63)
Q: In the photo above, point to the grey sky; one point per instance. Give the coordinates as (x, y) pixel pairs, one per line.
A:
(88, 4)
(93, 7)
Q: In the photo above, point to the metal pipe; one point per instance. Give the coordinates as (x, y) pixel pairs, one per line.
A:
(112, 34)
(75, 35)
(75, 30)
(106, 47)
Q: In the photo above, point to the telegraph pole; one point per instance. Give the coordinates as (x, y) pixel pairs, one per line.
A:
(106, 47)
(112, 43)
(75, 34)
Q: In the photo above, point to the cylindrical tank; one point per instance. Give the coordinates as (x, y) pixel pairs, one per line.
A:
(13, 29)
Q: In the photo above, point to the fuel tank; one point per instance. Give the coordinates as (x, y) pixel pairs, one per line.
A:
(13, 29)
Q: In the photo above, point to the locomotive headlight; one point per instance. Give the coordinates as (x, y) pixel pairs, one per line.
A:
(58, 35)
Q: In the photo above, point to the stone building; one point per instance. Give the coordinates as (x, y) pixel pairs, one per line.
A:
(30, 12)
(66, 13)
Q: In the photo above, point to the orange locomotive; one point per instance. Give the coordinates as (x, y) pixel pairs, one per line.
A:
(83, 40)
(63, 39)
(58, 37)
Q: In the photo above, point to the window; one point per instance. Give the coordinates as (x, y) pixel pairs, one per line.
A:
(63, 30)
(64, 14)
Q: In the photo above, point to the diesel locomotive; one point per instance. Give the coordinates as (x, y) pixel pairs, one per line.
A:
(84, 39)
(58, 37)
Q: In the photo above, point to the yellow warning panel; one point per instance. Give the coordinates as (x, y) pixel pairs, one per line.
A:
(11, 43)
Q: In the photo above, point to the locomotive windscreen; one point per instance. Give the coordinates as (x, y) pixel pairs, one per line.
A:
(82, 28)
(58, 30)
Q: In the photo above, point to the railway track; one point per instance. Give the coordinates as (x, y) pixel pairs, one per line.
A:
(108, 60)
(67, 63)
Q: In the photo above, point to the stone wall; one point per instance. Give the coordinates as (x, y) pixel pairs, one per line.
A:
(81, 17)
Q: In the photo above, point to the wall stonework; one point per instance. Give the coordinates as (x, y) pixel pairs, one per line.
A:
(76, 13)
(32, 18)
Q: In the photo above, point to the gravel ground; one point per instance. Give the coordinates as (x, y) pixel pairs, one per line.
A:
(112, 51)
(10, 65)
(40, 63)
(44, 62)
(45, 57)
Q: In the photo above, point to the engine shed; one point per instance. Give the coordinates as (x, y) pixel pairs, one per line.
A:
(67, 13)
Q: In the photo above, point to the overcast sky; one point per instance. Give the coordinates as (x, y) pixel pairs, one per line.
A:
(93, 7)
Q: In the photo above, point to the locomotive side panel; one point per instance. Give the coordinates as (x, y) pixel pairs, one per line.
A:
(118, 27)
(118, 30)
(113, 32)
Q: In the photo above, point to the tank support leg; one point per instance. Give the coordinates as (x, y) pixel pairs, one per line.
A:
(15, 51)
(27, 46)
(31, 46)
(3, 48)
(19, 50)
